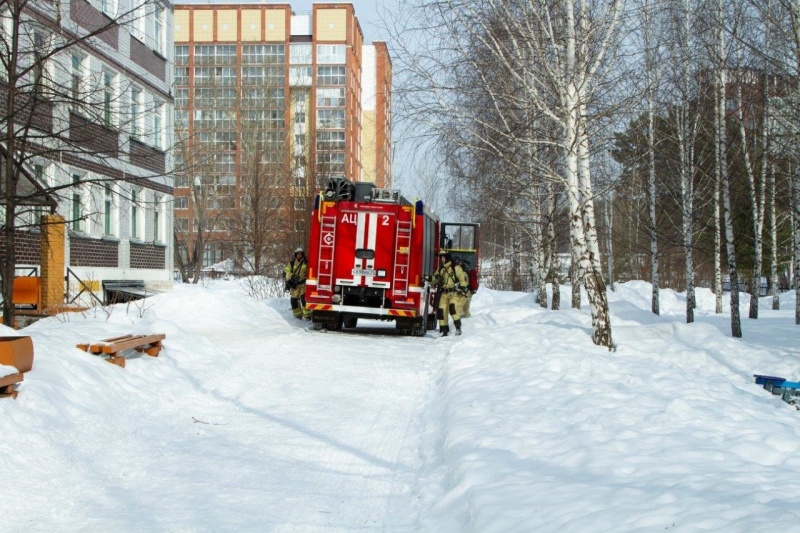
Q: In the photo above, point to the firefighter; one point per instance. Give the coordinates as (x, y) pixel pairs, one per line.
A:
(295, 275)
(452, 284)
(472, 280)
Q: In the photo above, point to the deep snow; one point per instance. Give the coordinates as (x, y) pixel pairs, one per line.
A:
(247, 421)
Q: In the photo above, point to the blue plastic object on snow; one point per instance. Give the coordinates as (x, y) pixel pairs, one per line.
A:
(763, 380)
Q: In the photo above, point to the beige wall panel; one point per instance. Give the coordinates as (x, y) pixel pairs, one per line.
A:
(203, 25)
(368, 138)
(275, 25)
(227, 25)
(251, 24)
(181, 20)
(331, 24)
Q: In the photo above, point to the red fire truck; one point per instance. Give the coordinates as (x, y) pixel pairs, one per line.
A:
(369, 253)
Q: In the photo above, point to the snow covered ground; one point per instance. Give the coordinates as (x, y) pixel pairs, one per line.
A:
(247, 421)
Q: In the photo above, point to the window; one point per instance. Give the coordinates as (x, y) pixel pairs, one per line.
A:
(157, 218)
(181, 202)
(181, 180)
(139, 18)
(203, 55)
(299, 204)
(299, 54)
(76, 80)
(181, 118)
(38, 211)
(225, 75)
(202, 75)
(300, 75)
(253, 54)
(330, 140)
(275, 54)
(77, 204)
(331, 75)
(252, 75)
(181, 54)
(108, 98)
(108, 210)
(158, 29)
(182, 97)
(134, 214)
(181, 224)
(330, 118)
(110, 8)
(330, 97)
(331, 54)
(39, 67)
(135, 114)
(158, 121)
(182, 76)
(225, 55)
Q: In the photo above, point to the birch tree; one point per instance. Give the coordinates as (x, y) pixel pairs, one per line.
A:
(555, 54)
(721, 78)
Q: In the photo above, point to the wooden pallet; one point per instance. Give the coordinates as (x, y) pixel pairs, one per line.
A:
(149, 344)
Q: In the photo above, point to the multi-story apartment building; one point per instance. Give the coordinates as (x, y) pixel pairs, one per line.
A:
(303, 90)
(98, 149)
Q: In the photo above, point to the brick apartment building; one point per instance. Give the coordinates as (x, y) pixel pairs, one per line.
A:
(323, 98)
(107, 168)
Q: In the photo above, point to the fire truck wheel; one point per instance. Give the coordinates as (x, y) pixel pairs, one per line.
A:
(336, 326)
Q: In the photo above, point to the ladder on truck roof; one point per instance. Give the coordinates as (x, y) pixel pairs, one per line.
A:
(402, 258)
(327, 240)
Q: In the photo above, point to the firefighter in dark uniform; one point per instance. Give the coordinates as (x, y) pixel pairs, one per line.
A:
(295, 274)
(452, 284)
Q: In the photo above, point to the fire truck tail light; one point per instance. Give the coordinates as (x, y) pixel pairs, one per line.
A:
(337, 289)
(336, 298)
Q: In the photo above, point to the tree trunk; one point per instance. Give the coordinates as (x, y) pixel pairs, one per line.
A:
(773, 233)
(796, 226)
(756, 190)
(722, 163)
(609, 218)
(651, 188)
(553, 266)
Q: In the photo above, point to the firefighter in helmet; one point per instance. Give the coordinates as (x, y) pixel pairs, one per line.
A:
(295, 275)
(452, 284)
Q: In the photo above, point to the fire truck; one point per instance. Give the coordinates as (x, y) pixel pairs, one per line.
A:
(370, 254)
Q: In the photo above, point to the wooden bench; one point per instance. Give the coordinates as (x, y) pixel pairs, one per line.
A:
(27, 293)
(7, 385)
(149, 344)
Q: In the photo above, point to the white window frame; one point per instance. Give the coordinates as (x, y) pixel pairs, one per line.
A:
(77, 73)
(109, 7)
(139, 25)
(136, 112)
(110, 211)
(331, 54)
(78, 209)
(159, 28)
(158, 217)
(136, 211)
(109, 95)
(300, 53)
(158, 124)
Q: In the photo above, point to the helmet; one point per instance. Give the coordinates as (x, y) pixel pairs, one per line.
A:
(299, 250)
(446, 256)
